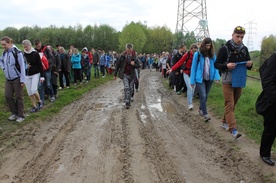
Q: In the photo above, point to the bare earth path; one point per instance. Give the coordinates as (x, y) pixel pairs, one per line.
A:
(157, 140)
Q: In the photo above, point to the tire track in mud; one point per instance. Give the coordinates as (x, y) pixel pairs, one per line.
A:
(125, 156)
(40, 165)
(155, 149)
(37, 168)
(195, 144)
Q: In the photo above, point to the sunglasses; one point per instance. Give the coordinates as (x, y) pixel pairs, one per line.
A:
(240, 28)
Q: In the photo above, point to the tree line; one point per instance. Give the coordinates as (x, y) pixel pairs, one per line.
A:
(145, 39)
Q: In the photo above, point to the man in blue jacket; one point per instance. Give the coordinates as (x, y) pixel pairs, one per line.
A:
(12, 63)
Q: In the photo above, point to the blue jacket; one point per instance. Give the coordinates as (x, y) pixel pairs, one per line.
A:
(197, 69)
(76, 61)
(7, 63)
(103, 60)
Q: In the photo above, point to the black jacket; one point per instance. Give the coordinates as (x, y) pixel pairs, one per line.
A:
(121, 64)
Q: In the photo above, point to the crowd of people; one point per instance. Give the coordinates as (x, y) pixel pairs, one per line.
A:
(44, 70)
(190, 70)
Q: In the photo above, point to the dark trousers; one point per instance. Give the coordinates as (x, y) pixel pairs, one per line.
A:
(269, 132)
(77, 75)
(178, 81)
(102, 68)
(67, 80)
(14, 97)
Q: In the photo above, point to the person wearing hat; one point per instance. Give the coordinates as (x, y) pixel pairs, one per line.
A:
(229, 56)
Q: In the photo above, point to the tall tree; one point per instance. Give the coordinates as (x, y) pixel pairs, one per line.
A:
(134, 34)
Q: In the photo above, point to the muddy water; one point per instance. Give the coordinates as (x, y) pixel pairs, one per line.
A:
(96, 139)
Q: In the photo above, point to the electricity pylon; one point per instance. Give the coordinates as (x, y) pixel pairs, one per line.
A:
(250, 28)
(192, 17)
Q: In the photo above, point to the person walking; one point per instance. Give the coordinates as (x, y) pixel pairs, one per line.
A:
(203, 74)
(39, 47)
(34, 75)
(65, 68)
(76, 65)
(96, 63)
(229, 58)
(125, 69)
(186, 60)
(13, 65)
(266, 106)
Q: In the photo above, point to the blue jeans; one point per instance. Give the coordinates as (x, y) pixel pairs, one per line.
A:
(48, 84)
(96, 71)
(128, 87)
(190, 90)
(204, 89)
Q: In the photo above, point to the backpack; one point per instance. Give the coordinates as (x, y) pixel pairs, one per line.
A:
(44, 60)
(85, 61)
(15, 55)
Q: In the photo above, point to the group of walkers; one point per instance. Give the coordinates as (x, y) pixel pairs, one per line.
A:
(44, 70)
(198, 67)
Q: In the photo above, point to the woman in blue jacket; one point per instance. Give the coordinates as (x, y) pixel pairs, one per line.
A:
(76, 65)
(203, 73)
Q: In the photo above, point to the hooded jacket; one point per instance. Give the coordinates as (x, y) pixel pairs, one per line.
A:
(8, 65)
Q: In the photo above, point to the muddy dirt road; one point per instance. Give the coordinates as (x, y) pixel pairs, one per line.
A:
(95, 139)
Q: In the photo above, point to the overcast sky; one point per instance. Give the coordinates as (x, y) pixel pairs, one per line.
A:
(222, 15)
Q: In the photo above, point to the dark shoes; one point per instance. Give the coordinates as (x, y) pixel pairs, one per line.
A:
(268, 160)
(127, 105)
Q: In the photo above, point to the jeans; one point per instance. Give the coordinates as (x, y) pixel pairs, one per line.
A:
(190, 90)
(87, 72)
(102, 67)
(96, 71)
(48, 84)
(128, 87)
(204, 89)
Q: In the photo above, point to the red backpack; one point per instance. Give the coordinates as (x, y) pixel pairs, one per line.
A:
(44, 60)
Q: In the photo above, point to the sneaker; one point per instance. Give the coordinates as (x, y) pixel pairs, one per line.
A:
(174, 88)
(34, 109)
(178, 93)
(39, 105)
(67, 86)
(131, 99)
(12, 117)
(236, 134)
(103, 76)
(60, 88)
(20, 119)
(52, 99)
(206, 118)
(191, 107)
(225, 126)
(200, 113)
(75, 84)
